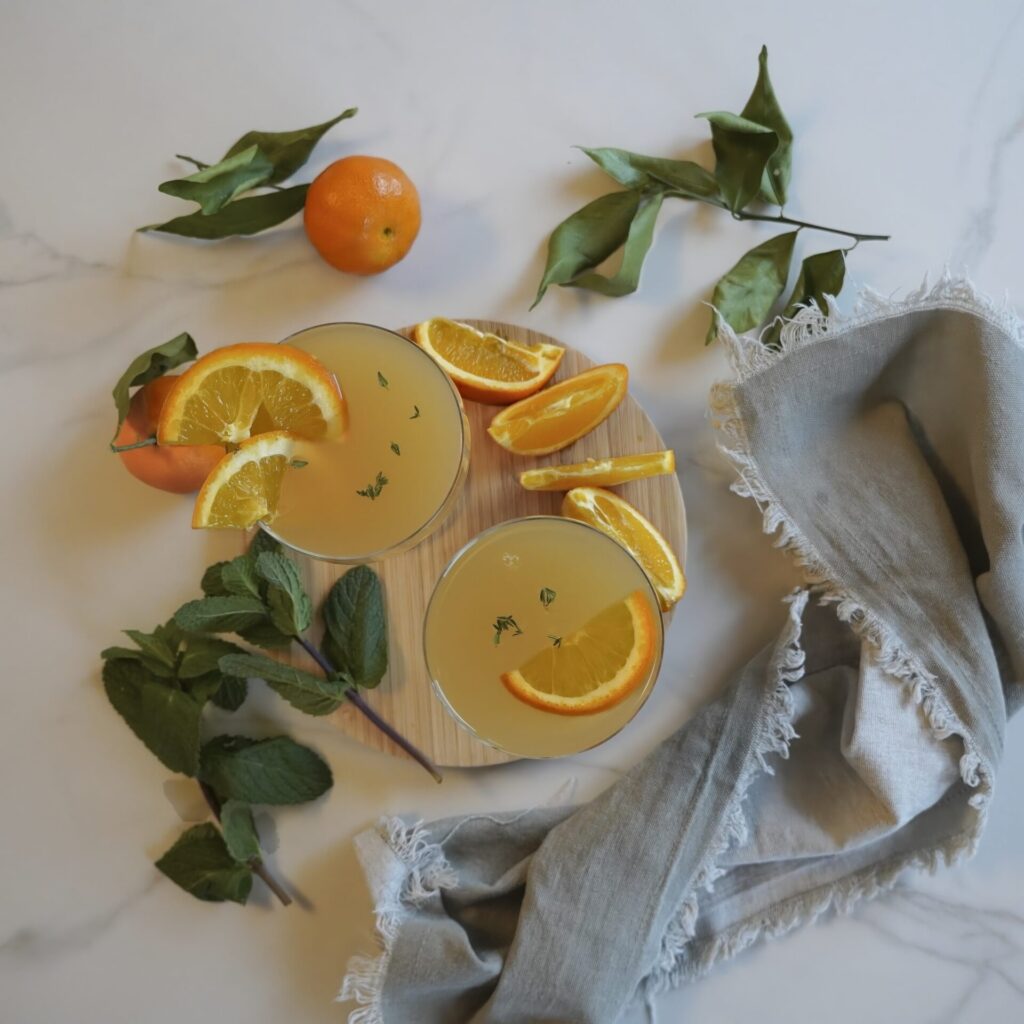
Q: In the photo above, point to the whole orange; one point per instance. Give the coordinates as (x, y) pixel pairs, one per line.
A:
(362, 214)
(180, 469)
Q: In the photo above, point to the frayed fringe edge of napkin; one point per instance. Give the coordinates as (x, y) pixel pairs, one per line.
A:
(681, 959)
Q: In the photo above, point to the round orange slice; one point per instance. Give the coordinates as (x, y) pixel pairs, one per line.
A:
(594, 668)
(621, 521)
(562, 413)
(244, 487)
(485, 367)
(240, 390)
(618, 469)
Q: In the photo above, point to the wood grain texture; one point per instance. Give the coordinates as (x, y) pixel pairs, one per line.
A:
(492, 494)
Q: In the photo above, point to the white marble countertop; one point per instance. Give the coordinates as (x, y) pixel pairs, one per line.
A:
(909, 119)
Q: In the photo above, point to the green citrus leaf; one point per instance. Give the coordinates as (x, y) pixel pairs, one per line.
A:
(742, 151)
(245, 216)
(214, 187)
(287, 151)
(763, 108)
(153, 363)
(820, 275)
(587, 238)
(650, 172)
(745, 295)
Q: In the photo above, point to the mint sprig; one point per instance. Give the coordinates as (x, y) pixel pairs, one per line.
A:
(162, 685)
(753, 165)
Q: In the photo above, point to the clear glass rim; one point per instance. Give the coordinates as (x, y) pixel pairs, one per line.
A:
(440, 514)
(469, 545)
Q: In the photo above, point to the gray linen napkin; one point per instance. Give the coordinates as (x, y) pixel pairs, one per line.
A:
(887, 450)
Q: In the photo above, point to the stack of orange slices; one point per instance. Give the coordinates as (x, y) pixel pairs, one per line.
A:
(258, 398)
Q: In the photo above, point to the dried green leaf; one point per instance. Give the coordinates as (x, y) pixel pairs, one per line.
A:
(587, 238)
(153, 363)
(742, 151)
(745, 295)
(288, 151)
(245, 216)
(763, 108)
(214, 187)
(638, 242)
(637, 171)
(820, 275)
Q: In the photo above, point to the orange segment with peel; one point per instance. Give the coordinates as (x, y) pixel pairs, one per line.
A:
(486, 367)
(595, 667)
(244, 487)
(240, 390)
(620, 520)
(552, 419)
(618, 469)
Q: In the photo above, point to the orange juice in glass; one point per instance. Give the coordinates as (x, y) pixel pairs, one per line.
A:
(397, 472)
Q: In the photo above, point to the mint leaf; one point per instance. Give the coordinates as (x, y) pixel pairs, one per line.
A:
(239, 576)
(220, 614)
(231, 693)
(202, 655)
(587, 238)
(290, 608)
(638, 241)
(311, 694)
(742, 151)
(356, 637)
(746, 294)
(763, 108)
(262, 541)
(202, 688)
(165, 718)
(267, 635)
(158, 668)
(155, 647)
(201, 864)
(271, 771)
(214, 187)
(212, 583)
(288, 151)
(651, 172)
(239, 830)
(153, 363)
(244, 216)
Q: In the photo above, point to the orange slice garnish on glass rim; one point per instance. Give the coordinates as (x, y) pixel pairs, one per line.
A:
(563, 413)
(595, 667)
(244, 487)
(237, 391)
(620, 520)
(618, 469)
(486, 367)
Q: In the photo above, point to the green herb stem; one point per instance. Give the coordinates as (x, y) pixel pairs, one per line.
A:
(385, 727)
(256, 865)
(144, 443)
(781, 219)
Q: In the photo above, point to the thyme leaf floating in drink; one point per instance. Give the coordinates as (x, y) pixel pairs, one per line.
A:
(372, 491)
(505, 624)
(547, 595)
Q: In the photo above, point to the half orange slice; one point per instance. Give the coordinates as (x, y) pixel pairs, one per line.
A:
(596, 667)
(620, 520)
(552, 419)
(486, 367)
(244, 487)
(240, 390)
(617, 469)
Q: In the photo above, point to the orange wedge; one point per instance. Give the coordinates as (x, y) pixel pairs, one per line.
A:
(240, 390)
(486, 367)
(621, 521)
(595, 667)
(562, 413)
(244, 487)
(608, 472)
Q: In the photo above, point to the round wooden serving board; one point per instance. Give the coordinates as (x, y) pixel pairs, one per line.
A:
(492, 494)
